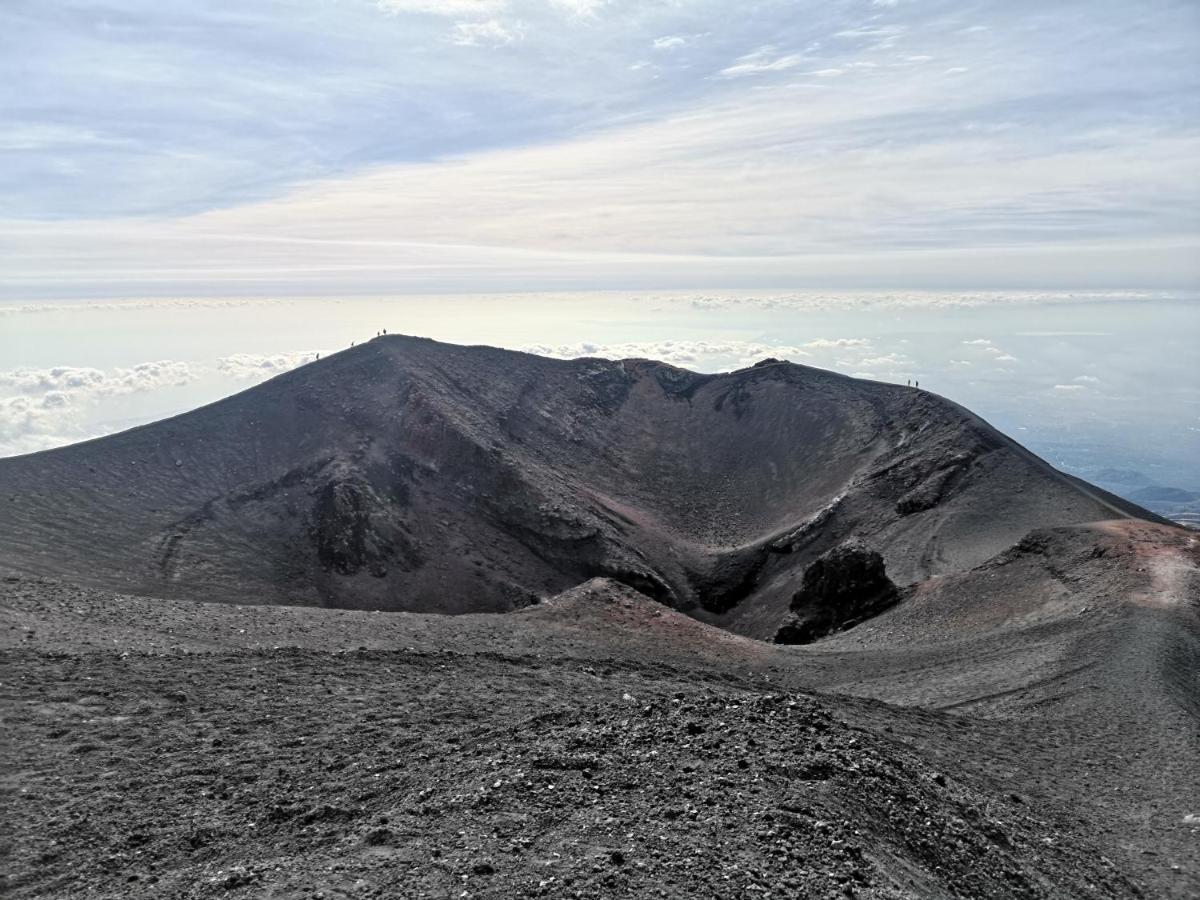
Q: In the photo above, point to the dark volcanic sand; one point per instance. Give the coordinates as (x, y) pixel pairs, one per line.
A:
(411, 475)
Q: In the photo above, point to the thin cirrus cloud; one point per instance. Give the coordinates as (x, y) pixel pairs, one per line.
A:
(394, 145)
(764, 59)
(488, 33)
(669, 42)
(448, 8)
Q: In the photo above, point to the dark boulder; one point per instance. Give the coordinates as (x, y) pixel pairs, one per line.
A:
(840, 589)
(355, 529)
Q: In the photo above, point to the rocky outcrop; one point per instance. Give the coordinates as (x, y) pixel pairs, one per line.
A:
(840, 589)
(932, 488)
(354, 530)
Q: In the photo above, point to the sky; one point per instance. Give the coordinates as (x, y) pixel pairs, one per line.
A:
(203, 148)
(1001, 199)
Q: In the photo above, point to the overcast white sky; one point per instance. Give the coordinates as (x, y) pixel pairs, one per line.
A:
(1000, 198)
(304, 147)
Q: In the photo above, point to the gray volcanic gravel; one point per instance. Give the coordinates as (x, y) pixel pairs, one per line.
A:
(291, 773)
(598, 745)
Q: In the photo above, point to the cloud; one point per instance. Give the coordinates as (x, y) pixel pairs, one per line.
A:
(580, 7)
(38, 137)
(150, 376)
(989, 347)
(890, 359)
(28, 425)
(1087, 379)
(764, 59)
(1068, 387)
(654, 192)
(31, 381)
(1068, 333)
(836, 343)
(277, 166)
(873, 37)
(669, 42)
(46, 306)
(708, 356)
(490, 33)
(999, 355)
(874, 299)
(49, 407)
(449, 8)
(258, 367)
(73, 383)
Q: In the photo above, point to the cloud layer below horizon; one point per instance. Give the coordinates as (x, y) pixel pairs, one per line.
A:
(1093, 379)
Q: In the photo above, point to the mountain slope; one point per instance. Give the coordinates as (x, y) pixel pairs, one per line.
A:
(412, 475)
(1050, 754)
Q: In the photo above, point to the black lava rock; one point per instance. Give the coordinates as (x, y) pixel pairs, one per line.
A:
(840, 589)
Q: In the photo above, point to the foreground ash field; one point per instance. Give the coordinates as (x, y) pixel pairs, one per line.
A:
(776, 633)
